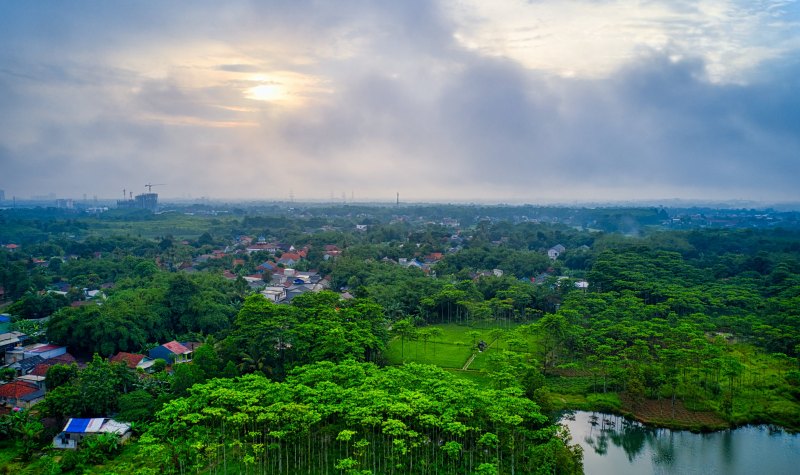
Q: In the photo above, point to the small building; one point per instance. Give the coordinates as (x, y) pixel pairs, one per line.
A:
(274, 294)
(41, 368)
(27, 365)
(36, 380)
(133, 360)
(11, 340)
(172, 352)
(31, 399)
(42, 350)
(555, 251)
(78, 429)
(11, 393)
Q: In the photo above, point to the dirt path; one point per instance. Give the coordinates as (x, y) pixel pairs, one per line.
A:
(469, 362)
(471, 358)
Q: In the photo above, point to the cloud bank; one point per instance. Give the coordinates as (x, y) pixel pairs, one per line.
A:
(439, 101)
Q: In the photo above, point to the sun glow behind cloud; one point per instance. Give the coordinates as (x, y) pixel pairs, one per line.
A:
(285, 88)
(268, 93)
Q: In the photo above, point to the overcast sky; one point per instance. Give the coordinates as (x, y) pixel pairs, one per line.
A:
(493, 101)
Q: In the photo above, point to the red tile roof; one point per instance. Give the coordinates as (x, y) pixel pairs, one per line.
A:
(176, 347)
(40, 369)
(130, 359)
(17, 389)
(66, 358)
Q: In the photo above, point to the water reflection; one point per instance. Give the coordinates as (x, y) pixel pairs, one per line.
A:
(615, 445)
(630, 436)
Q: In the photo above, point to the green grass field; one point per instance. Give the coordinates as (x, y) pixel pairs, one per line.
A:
(177, 225)
(451, 350)
(457, 344)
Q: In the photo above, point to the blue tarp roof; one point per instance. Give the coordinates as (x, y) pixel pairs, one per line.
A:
(78, 425)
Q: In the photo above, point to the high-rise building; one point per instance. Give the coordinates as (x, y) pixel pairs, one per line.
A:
(2, 195)
(147, 201)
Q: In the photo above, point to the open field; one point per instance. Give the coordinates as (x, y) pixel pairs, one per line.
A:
(457, 344)
(177, 225)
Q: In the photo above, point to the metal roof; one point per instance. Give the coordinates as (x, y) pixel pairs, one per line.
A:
(84, 425)
(97, 424)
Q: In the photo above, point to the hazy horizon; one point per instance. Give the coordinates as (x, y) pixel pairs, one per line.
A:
(442, 101)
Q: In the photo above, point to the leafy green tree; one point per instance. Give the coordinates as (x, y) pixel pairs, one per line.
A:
(405, 330)
(355, 417)
(92, 393)
(205, 358)
(60, 374)
(184, 377)
(136, 406)
(435, 334)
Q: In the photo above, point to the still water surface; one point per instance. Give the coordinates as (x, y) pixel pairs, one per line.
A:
(614, 445)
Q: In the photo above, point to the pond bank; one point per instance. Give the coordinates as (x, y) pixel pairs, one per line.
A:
(613, 444)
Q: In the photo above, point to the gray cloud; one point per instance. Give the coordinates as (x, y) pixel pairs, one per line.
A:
(407, 109)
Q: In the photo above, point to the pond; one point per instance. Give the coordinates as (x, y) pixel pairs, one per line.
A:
(615, 445)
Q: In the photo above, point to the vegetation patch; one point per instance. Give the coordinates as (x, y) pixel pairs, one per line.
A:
(665, 413)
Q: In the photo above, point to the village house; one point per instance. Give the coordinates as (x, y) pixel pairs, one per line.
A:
(10, 340)
(172, 352)
(274, 294)
(133, 360)
(331, 252)
(78, 429)
(19, 393)
(555, 251)
(42, 350)
(40, 369)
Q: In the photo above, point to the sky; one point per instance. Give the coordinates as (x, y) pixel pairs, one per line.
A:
(539, 101)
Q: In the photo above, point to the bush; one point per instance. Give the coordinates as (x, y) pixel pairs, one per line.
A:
(608, 402)
(94, 450)
(99, 448)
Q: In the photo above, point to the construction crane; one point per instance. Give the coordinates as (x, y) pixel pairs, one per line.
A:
(150, 186)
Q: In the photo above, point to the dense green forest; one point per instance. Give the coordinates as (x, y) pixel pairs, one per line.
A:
(631, 312)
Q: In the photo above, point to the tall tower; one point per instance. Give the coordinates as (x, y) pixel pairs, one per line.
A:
(398, 199)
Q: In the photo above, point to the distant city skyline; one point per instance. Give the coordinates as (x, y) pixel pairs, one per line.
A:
(441, 101)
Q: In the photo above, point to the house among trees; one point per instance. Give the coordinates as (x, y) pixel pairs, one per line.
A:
(11, 340)
(78, 429)
(172, 352)
(133, 360)
(274, 294)
(20, 394)
(555, 251)
(42, 350)
(41, 368)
